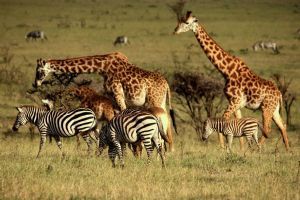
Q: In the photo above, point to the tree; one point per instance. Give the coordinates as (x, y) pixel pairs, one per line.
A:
(201, 95)
(288, 97)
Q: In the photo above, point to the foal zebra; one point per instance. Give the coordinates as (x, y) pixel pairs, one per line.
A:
(56, 123)
(132, 126)
(233, 128)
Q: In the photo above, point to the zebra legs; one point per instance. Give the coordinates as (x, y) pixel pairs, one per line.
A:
(118, 150)
(158, 146)
(59, 144)
(88, 141)
(112, 152)
(42, 143)
(229, 138)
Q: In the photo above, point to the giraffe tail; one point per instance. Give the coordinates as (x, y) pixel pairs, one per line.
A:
(162, 132)
(172, 112)
(280, 105)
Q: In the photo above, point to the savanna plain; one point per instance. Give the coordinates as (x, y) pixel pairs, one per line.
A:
(196, 170)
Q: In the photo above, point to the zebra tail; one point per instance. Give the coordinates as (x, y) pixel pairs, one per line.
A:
(172, 112)
(162, 132)
(262, 130)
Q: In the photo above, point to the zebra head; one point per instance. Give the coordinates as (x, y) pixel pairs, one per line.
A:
(21, 119)
(42, 71)
(208, 129)
(186, 23)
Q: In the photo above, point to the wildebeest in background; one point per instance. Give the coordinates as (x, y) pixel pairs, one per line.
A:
(265, 45)
(33, 35)
(121, 40)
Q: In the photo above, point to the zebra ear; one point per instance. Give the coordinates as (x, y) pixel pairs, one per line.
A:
(19, 109)
(44, 62)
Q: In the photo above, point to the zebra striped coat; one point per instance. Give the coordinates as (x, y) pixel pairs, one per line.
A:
(233, 128)
(132, 126)
(56, 123)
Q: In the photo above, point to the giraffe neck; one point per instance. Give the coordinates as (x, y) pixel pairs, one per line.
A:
(217, 56)
(101, 64)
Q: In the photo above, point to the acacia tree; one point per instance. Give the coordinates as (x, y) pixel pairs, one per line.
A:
(288, 97)
(201, 96)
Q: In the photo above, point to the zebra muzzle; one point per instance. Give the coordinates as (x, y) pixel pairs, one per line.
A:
(14, 128)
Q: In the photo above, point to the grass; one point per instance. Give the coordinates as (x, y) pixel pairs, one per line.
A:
(195, 170)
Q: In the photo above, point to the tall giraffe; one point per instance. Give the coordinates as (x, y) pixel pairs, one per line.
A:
(243, 88)
(130, 85)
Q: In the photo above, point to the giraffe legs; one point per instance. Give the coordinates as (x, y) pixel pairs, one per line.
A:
(279, 122)
(170, 135)
(118, 92)
(268, 114)
(233, 108)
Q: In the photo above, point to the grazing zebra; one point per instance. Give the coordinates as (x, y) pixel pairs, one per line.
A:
(233, 128)
(265, 45)
(33, 35)
(121, 40)
(56, 123)
(132, 126)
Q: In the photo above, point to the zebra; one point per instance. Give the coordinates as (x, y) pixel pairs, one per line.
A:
(56, 123)
(265, 45)
(233, 128)
(49, 104)
(132, 126)
(122, 40)
(33, 35)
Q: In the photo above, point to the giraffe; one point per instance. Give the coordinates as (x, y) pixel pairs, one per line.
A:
(129, 84)
(89, 98)
(243, 87)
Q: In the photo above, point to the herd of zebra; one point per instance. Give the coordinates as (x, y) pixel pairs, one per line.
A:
(129, 126)
(132, 126)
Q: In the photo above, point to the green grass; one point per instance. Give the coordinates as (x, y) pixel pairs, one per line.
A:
(196, 170)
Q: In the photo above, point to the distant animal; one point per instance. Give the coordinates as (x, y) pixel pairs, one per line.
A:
(56, 123)
(233, 128)
(263, 45)
(34, 35)
(121, 40)
(131, 126)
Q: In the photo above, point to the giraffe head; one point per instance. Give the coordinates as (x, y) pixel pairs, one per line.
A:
(42, 70)
(186, 23)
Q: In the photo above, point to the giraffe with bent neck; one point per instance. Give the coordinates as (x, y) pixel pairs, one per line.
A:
(243, 87)
(130, 85)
